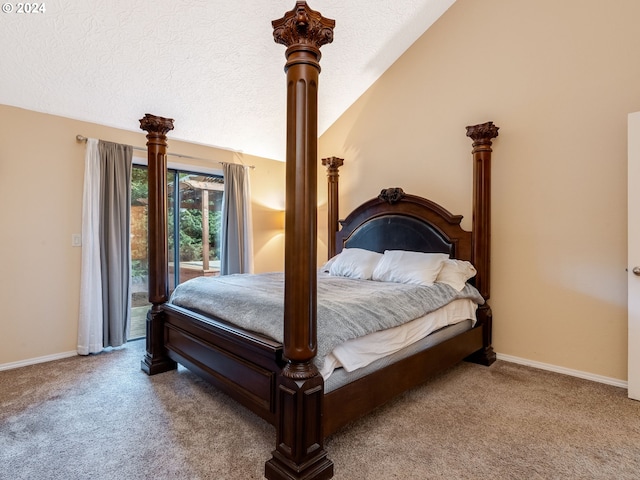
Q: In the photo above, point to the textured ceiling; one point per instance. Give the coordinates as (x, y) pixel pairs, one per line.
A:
(212, 65)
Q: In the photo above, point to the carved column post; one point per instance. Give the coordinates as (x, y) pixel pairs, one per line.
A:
(481, 228)
(481, 238)
(155, 359)
(300, 450)
(332, 164)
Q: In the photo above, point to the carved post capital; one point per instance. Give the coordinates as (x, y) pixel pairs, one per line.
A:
(332, 164)
(482, 134)
(156, 125)
(303, 27)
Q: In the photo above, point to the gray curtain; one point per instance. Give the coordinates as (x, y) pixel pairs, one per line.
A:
(115, 251)
(236, 255)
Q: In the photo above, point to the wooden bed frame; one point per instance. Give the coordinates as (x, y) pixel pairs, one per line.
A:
(279, 381)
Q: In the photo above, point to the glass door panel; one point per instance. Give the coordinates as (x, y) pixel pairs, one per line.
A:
(139, 252)
(193, 244)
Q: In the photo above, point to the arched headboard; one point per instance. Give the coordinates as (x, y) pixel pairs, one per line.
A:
(396, 220)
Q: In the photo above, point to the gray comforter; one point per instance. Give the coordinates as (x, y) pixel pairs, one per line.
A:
(347, 308)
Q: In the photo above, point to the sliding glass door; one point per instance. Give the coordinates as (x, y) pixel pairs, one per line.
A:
(198, 206)
(195, 200)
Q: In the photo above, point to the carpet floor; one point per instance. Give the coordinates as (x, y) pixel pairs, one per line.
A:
(100, 417)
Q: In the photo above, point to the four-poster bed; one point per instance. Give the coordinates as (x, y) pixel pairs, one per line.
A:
(278, 380)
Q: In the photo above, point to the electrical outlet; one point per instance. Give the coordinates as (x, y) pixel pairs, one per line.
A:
(76, 240)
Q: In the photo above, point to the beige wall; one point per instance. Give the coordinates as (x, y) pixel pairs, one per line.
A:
(41, 177)
(559, 78)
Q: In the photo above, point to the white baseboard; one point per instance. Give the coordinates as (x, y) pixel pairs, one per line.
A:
(500, 356)
(33, 361)
(566, 371)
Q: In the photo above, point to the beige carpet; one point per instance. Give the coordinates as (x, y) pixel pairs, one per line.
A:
(100, 417)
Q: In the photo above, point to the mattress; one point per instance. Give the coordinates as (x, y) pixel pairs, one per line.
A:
(348, 309)
(360, 352)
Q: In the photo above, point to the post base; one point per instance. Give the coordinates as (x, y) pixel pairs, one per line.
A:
(156, 359)
(279, 468)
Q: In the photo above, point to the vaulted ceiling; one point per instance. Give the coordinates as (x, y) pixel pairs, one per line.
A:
(212, 65)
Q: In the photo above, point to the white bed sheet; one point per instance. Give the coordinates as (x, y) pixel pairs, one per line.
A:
(362, 351)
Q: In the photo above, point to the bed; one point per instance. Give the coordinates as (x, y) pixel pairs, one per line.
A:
(279, 379)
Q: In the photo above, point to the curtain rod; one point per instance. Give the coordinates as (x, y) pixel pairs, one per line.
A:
(83, 139)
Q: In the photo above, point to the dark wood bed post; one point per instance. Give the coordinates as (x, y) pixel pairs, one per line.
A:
(299, 452)
(481, 228)
(333, 164)
(156, 359)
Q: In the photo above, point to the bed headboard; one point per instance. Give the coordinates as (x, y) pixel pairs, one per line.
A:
(396, 220)
(399, 221)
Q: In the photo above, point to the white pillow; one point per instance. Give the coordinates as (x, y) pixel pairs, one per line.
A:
(325, 268)
(456, 273)
(354, 263)
(409, 267)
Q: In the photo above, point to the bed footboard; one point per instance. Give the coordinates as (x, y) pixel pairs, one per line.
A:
(242, 364)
